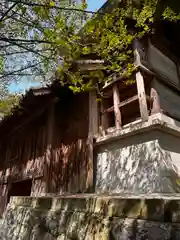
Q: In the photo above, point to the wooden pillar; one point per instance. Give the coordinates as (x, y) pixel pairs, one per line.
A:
(104, 119)
(117, 112)
(93, 130)
(140, 82)
(156, 107)
(48, 154)
(93, 113)
(142, 96)
(178, 70)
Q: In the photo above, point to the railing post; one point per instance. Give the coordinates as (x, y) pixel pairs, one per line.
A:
(140, 83)
(156, 107)
(117, 112)
(142, 96)
(93, 113)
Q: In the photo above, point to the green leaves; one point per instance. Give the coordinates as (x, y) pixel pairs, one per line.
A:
(104, 37)
(8, 102)
(37, 9)
(52, 4)
(110, 40)
(86, 50)
(23, 10)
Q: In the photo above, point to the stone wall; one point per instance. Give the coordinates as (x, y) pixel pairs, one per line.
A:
(91, 217)
(142, 162)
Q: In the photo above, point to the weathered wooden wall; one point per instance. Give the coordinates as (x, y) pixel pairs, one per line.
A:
(56, 164)
(169, 100)
(22, 155)
(163, 65)
(69, 169)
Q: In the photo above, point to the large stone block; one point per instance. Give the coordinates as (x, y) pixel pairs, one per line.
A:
(142, 160)
(107, 217)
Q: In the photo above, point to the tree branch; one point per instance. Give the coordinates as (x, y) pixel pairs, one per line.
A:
(52, 7)
(6, 74)
(6, 13)
(24, 23)
(23, 40)
(24, 47)
(23, 52)
(20, 74)
(5, 46)
(27, 22)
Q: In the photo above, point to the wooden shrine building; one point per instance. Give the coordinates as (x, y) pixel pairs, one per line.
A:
(57, 142)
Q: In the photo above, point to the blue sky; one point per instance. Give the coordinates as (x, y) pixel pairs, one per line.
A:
(93, 5)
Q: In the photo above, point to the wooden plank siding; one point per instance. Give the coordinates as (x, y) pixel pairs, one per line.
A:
(70, 166)
(52, 151)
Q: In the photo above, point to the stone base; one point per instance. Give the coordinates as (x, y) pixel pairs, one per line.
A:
(142, 157)
(92, 217)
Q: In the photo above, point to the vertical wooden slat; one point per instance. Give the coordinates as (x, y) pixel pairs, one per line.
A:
(39, 185)
(36, 164)
(48, 154)
(30, 154)
(104, 119)
(93, 130)
(11, 157)
(5, 187)
(28, 150)
(142, 96)
(3, 203)
(25, 149)
(93, 113)
(178, 71)
(117, 112)
(41, 152)
(156, 107)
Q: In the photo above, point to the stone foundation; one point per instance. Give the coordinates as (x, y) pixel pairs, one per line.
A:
(90, 217)
(140, 158)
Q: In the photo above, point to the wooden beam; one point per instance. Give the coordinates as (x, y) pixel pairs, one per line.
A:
(156, 106)
(115, 78)
(93, 113)
(116, 101)
(142, 96)
(125, 102)
(178, 70)
(93, 130)
(104, 118)
(121, 104)
(90, 167)
(140, 81)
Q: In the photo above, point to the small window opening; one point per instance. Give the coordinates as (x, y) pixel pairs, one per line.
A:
(22, 188)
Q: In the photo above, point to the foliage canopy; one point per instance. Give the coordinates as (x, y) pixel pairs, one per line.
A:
(7, 103)
(51, 36)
